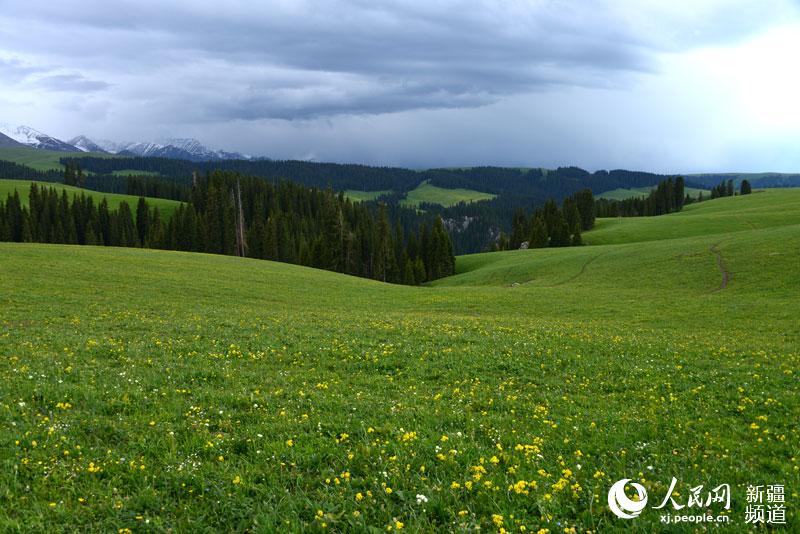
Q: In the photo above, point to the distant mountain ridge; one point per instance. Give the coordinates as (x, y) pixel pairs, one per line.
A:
(25, 135)
(7, 142)
(174, 148)
(84, 144)
(177, 148)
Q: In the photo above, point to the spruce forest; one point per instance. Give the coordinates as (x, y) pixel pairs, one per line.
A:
(235, 215)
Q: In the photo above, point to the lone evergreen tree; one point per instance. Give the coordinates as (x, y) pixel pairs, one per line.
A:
(539, 235)
(142, 220)
(745, 188)
(680, 193)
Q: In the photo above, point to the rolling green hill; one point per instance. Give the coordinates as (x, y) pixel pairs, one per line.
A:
(48, 160)
(359, 196)
(165, 207)
(430, 194)
(426, 193)
(42, 160)
(622, 194)
(756, 179)
(772, 207)
(131, 172)
(165, 390)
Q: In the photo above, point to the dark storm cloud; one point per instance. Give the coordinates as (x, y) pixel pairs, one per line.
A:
(358, 56)
(515, 81)
(362, 57)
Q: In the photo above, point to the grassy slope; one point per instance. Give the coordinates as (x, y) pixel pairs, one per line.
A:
(131, 172)
(431, 194)
(185, 389)
(427, 193)
(712, 179)
(622, 194)
(772, 207)
(42, 160)
(355, 195)
(165, 207)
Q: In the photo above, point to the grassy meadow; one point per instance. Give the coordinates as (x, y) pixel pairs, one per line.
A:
(427, 193)
(763, 209)
(49, 160)
(622, 194)
(42, 160)
(152, 391)
(360, 196)
(131, 172)
(165, 206)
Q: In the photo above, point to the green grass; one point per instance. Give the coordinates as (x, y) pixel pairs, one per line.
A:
(360, 196)
(772, 207)
(165, 207)
(205, 393)
(622, 194)
(131, 172)
(42, 160)
(712, 179)
(427, 193)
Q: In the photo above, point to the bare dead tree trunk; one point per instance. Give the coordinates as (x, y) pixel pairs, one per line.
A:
(241, 243)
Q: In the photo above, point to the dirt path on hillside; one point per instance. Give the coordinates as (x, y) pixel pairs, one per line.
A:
(726, 275)
(580, 273)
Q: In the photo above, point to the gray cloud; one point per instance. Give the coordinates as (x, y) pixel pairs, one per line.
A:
(70, 83)
(411, 55)
(12, 70)
(277, 68)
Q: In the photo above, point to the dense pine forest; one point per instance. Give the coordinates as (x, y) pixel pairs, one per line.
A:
(230, 214)
(536, 206)
(668, 197)
(551, 225)
(473, 227)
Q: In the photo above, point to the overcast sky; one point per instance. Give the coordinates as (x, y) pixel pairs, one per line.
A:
(670, 86)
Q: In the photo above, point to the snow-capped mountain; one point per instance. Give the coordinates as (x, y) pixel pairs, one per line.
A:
(36, 139)
(84, 144)
(179, 148)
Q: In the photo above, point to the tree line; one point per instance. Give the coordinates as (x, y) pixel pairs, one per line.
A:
(726, 189)
(50, 217)
(231, 214)
(669, 196)
(474, 227)
(551, 225)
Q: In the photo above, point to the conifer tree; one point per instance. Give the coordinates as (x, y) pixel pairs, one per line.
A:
(154, 237)
(142, 220)
(420, 276)
(408, 273)
(539, 237)
(745, 188)
(104, 218)
(126, 227)
(519, 229)
(585, 201)
(680, 193)
(384, 248)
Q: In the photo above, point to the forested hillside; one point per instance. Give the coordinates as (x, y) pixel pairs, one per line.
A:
(495, 193)
(235, 215)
